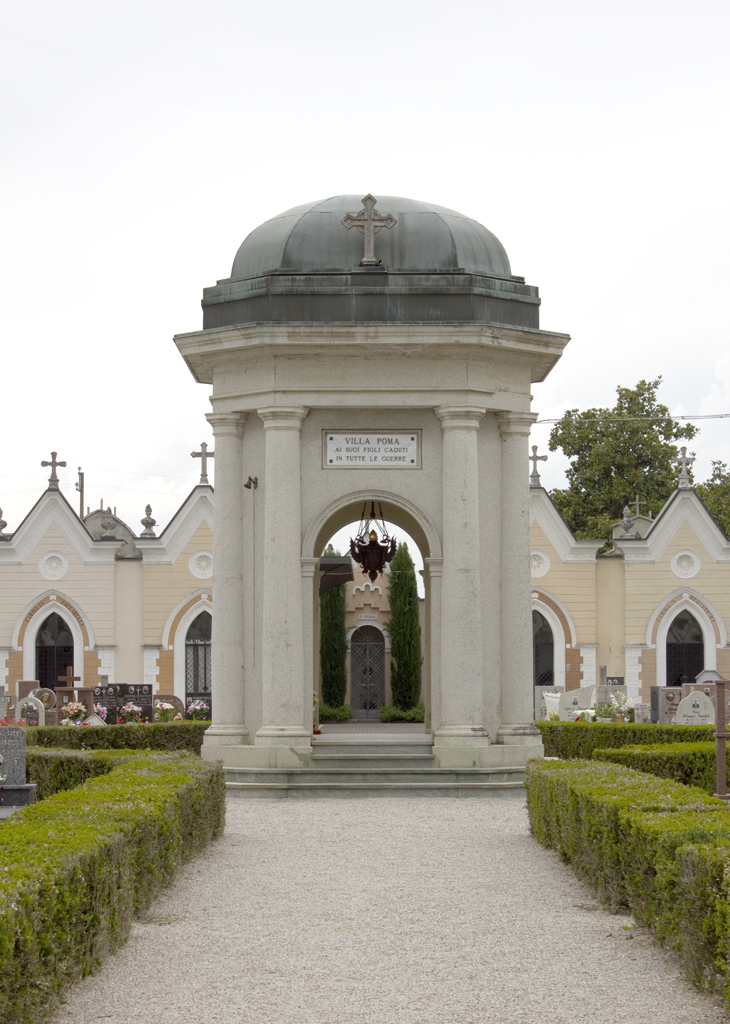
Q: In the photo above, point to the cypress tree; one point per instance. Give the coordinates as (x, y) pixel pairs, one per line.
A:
(404, 630)
(333, 646)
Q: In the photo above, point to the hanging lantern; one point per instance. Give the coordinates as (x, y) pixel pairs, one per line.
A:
(366, 549)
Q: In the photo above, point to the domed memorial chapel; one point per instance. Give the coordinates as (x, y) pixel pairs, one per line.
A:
(371, 351)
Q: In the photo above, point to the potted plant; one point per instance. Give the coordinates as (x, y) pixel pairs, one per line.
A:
(198, 710)
(604, 711)
(620, 706)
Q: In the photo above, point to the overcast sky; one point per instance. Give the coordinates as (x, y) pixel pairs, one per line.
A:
(143, 141)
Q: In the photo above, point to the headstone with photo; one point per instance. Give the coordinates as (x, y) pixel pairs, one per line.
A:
(664, 703)
(107, 697)
(572, 702)
(696, 709)
(141, 695)
(31, 709)
(169, 698)
(15, 792)
(541, 710)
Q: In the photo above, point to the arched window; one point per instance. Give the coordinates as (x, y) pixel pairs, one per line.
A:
(367, 672)
(542, 651)
(197, 659)
(54, 651)
(685, 650)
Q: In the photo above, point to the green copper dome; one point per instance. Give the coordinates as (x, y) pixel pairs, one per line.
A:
(431, 265)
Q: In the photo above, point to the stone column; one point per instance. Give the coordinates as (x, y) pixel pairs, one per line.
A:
(433, 568)
(518, 724)
(282, 654)
(461, 725)
(310, 575)
(227, 632)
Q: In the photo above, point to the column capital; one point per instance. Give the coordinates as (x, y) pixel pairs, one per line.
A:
(433, 566)
(227, 423)
(283, 417)
(515, 423)
(459, 416)
(309, 567)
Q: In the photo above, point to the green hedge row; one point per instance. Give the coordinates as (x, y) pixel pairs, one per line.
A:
(567, 740)
(79, 865)
(150, 736)
(692, 764)
(54, 771)
(660, 848)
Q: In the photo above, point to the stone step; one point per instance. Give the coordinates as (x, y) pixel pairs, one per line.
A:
(355, 744)
(369, 780)
(356, 760)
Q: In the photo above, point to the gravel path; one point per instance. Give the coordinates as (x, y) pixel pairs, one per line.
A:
(377, 911)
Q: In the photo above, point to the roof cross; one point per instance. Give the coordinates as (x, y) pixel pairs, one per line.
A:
(203, 455)
(534, 459)
(368, 222)
(53, 478)
(638, 505)
(685, 461)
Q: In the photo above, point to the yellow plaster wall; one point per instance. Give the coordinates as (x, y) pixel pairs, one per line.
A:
(90, 588)
(166, 585)
(649, 585)
(574, 584)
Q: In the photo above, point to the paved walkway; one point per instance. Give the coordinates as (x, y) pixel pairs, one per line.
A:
(401, 911)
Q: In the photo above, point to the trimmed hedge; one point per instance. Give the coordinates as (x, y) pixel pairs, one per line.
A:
(54, 771)
(692, 764)
(148, 736)
(77, 867)
(658, 847)
(341, 713)
(391, 713)
(568, 740)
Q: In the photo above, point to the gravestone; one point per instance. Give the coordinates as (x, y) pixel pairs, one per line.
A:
(94, 720)
(604, 692)
(664, 703)
(169, 698)
(14, 791)
(46, 696)
(140, 695)
(24, 687)
(5, 702)
(107, 697)
(574, 701)
(540, 706)
(696, 709)
(39, 715)
(68, 695)
(642, 713)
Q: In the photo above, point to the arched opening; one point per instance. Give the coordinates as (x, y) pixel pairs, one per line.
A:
(543, 651)
(367, 672)
(197, 660)
(685, 650)
(54, 651)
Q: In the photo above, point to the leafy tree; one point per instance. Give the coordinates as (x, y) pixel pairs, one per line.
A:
(615, 455)
(404, 630)
(715, 493)
(333, 644)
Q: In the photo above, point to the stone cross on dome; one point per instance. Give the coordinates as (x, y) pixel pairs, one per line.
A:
(683, 460)
(369, 222)
(203, 455)
(53, 478)
(534, 459)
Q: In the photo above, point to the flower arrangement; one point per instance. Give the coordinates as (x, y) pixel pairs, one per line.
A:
(619, 704)
(100, 710)
(163, 711)
(9, 720)
(198, 710)
(129, 713)
(73, 713)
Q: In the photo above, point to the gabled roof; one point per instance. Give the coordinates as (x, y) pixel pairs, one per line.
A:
(545, 513)
(51, 509)
(196, 509)
(684, 506)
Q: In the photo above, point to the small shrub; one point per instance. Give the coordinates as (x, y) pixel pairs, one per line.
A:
(568, 740)
(391, 713)
(342, 713)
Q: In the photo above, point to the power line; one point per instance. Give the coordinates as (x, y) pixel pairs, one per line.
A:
(635, 419)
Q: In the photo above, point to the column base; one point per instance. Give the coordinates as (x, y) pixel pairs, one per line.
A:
(461, 746)
(248, 756)
(224, 735)
(526, 734)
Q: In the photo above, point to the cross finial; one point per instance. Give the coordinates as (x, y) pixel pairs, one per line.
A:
(148, 522)
(534, 459)
(53, 478)
(368, 222)
(638, 504)
(685, 461)
(203, 455)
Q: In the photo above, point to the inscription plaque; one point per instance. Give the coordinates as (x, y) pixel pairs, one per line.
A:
(368, 449)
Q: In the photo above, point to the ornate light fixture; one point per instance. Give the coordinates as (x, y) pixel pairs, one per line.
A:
(367, 550)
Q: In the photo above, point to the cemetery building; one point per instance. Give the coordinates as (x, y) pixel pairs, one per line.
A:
(360, 356)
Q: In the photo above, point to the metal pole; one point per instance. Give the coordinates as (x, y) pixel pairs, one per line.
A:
(80, 489)
(720, 738)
